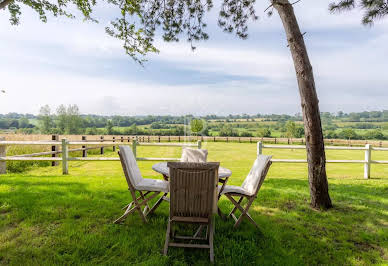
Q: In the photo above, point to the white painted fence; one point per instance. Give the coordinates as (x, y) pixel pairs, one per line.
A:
(65, 152)
(367, 161)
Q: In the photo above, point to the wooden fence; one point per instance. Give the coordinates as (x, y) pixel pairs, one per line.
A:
(179, 139)
(367, 161)
(64, 144)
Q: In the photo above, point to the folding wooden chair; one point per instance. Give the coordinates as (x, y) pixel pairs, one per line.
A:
(193, 197)
(248, 189)
(147, 188)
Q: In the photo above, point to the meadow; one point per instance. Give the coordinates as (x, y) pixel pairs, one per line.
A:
(47, 218)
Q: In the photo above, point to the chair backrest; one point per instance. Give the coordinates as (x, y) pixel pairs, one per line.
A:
(256, 176)
(130, 167)
(194, 155)
(193, 190)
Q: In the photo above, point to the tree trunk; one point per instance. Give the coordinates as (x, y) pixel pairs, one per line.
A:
(319, 191)
(5, 3)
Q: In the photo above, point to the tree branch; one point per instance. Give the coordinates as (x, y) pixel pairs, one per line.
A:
(5, 3)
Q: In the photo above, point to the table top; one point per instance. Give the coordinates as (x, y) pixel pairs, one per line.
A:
(164, 170)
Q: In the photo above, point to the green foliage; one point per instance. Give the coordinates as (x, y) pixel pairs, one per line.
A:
(227, 131)
(22, 166)
(374, 9)
(293, 130)
(109, 127)
(348, 133)
(45, 119)
(264, 132)
(374, 134)
(68, 119)
(196, 126)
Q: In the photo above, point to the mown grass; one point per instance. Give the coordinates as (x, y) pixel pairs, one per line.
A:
(47, 218)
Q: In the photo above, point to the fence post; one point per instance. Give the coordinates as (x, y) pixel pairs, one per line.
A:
(84, 152)
(199, 143)
(54, 148)
(368, 156)
(214, 139)
(259, 148)
(65, 155)
(102, 148)
(114, 146)
(134, 143)
(159, 138)
(3, 153)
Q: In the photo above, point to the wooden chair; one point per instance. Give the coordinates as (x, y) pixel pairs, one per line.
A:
(248, 189)
(193, 197)
(147, 188)
(194, 155)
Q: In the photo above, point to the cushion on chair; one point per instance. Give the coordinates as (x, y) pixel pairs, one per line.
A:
(131, 165)
(252, 181)
(194, 155)
(153, 185)
(234, 189)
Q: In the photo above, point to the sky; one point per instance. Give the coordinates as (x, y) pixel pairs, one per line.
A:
(74, 62)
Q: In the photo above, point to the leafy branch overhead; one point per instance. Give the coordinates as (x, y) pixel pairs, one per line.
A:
(374, 9)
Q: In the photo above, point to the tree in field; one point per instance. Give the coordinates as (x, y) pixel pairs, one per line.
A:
(109, 127)
(196, 126)
(45, 119)
(264, 132)
(68, 119)
(139, 21)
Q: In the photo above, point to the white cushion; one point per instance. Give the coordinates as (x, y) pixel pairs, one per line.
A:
(131, 164)
(252, 181)
(153, 185)
(234, 189)
(194, 155)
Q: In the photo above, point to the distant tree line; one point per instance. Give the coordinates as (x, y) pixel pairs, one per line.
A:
(69, 120)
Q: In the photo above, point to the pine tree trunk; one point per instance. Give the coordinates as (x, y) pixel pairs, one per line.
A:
(319, 191)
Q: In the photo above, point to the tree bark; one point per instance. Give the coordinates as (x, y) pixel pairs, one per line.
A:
(319, 191)
(5, 3)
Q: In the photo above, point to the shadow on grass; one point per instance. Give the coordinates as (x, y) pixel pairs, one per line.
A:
(54, 220)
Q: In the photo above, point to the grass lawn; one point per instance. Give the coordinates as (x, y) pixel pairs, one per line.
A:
(47, 218)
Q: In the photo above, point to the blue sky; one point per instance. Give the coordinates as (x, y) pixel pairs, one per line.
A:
(72, 62)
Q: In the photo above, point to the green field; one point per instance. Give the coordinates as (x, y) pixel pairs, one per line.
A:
(47, 218)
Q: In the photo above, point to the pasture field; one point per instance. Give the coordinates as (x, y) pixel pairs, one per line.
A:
(47, 218)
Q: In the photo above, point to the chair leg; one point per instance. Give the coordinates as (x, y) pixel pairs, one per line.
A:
(156, 205)
(126, 213)
(235, 208)
(244, 211)
(143, 198)
(211, 240)
(165, 250)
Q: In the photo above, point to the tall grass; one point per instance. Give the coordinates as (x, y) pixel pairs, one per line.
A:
(21, 166)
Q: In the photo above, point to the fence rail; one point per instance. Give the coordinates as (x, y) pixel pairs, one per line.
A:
(367, 161)
(65, 158)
